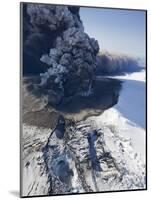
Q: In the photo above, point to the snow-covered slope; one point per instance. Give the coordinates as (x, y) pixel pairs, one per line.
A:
(100, 153)
(124, 127)
(138, 76)
(84, 161)
(128, 116)
(113, 120)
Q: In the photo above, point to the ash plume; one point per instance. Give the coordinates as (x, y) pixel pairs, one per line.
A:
(113, 64)
(67, 55)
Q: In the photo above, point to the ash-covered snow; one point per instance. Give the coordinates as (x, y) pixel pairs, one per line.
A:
(34, 177)
(101, 153)
(120, 166)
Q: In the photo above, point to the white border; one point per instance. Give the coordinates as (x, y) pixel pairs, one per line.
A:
(9, 100)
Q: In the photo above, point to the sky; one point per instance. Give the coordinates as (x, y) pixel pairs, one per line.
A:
(118, 31)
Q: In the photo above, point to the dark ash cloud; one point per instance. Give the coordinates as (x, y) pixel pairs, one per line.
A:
(115, 64)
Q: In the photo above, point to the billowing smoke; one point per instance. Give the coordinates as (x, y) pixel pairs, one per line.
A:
(71, 57)
(113, 64)
(40, 29)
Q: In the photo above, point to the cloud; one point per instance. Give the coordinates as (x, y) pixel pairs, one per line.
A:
(110, 63)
